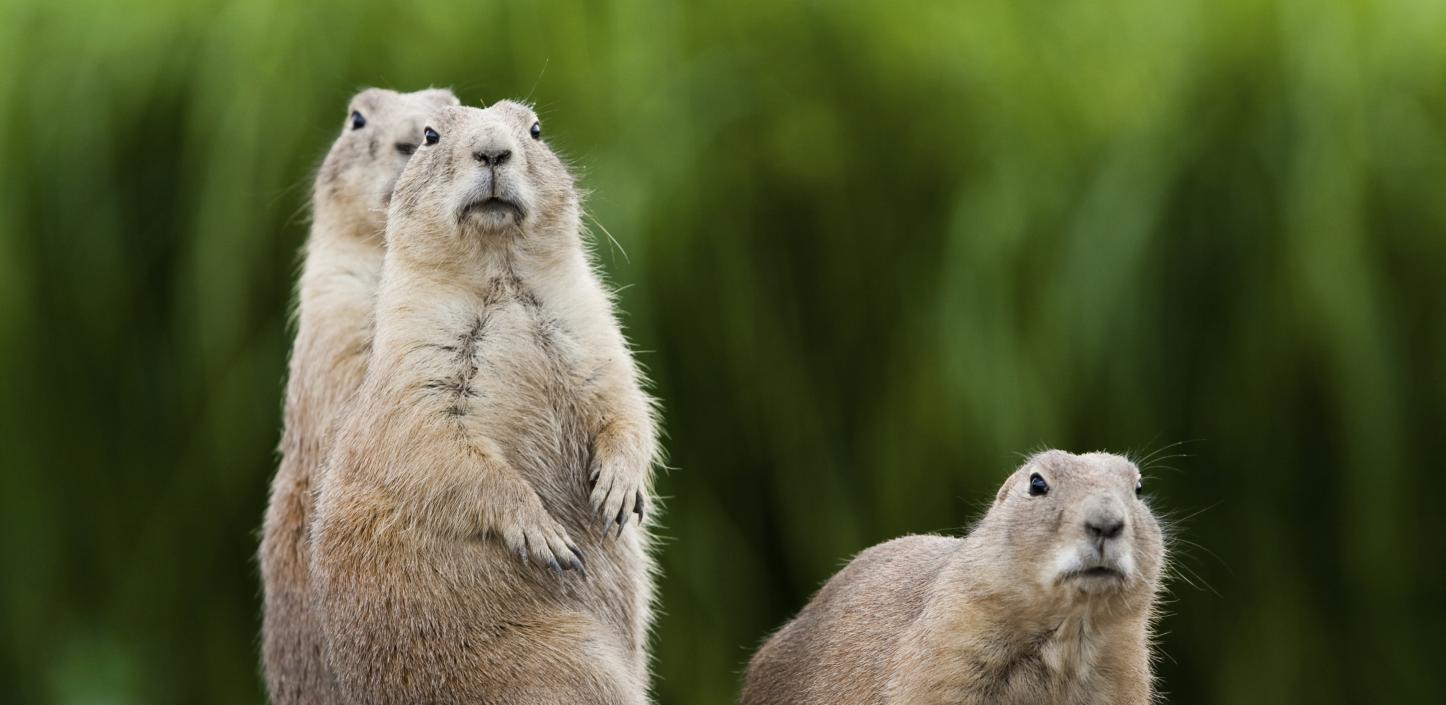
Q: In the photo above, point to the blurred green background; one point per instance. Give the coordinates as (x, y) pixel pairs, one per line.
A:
(874, 251)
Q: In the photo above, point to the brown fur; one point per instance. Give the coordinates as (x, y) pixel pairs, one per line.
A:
(453, 522)
(336, 299)
(994, 618)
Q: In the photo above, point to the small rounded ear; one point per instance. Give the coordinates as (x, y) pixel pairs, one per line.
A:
(365, 97)
(440, 96)
(1004, 490)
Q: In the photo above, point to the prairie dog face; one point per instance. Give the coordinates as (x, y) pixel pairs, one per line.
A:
(1077, 528)
(381, 131)
(482, 176)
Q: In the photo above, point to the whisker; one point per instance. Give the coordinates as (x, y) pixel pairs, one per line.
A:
(1172, 521)
(612, 239)
(1156, 454)
(540, 74)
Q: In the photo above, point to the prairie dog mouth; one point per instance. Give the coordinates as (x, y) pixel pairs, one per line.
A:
(1098, 571)
(494, 207)
(1094, 579)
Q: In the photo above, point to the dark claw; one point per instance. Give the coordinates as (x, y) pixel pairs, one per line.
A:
(553, 566)
(598, 511)
(592, 479)
(622, 520)
(638, 507)
(577, 552)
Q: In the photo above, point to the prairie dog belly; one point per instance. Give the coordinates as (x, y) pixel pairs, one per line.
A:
(522, 379)
(523, 385)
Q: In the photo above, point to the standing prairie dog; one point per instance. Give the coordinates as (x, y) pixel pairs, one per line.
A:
(1048, 601)
(337, 295)
(457, 549)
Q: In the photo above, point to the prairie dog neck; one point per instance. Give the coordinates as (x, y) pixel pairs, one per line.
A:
(420, 302)
(334, 225)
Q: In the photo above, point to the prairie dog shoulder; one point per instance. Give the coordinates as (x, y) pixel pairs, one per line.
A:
(789, 665)
(1048, 600)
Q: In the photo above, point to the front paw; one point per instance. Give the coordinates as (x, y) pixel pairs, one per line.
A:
(540, 540)
(617, 496)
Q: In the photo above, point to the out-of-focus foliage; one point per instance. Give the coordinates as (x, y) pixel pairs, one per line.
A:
(873, 252)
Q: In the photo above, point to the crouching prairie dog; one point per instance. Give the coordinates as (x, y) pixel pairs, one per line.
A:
(336, 296)
(480, 534)
(1047, 601)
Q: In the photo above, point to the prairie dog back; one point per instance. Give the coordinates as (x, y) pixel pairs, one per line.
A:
(1048, 601)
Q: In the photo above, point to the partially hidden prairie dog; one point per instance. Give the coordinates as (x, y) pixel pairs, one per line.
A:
(457, 549)
(337, 295)
(1048, 601)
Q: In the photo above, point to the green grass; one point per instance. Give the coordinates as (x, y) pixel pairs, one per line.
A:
(873, 252)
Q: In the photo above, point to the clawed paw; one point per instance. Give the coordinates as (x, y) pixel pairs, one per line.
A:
(546, 545)
(616, 498)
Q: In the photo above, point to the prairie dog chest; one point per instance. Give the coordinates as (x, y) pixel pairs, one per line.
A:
(514, 355)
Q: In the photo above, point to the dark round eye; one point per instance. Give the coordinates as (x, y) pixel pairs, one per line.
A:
(357, 121)
(537, 130)
(1139, 487)
(1037, 486)
(431, 136)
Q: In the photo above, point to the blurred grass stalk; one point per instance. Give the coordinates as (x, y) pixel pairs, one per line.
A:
(873, 250)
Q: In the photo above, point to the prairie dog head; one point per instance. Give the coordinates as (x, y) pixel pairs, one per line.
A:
(381, 131)
(1075, 530)
(483, 178)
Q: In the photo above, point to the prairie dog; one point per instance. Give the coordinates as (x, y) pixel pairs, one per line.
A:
(1048, 601)
(337, 294)
(456, 549)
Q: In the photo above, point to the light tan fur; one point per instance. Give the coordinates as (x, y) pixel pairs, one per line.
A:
(337, 295)
(1004, 616)
(501, 413)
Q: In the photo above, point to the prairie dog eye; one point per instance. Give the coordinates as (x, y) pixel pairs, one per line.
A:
(1037, 486)
(357, 121)
(431, 136)
(536, 130)
(1139, 487)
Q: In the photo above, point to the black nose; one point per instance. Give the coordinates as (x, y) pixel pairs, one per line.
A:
(1104, 527)
(492, 157)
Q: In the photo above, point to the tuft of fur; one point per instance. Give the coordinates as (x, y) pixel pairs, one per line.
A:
(474, 540)
(336, 298)
(1003, 616)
